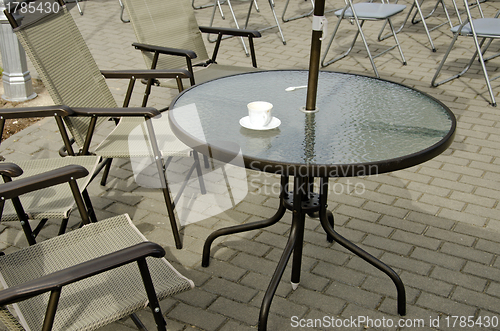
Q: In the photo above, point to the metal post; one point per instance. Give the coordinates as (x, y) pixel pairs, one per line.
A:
(16, 77)
(312, 85)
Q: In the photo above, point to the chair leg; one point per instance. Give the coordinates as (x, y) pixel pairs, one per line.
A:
(138, 323)
(168, 201)
(425, 25)
(483, 66)
(295, 17)
(160, 168)
(438, 70)
(272, 5)
(171, 216)
(478, 53)
(121, 13)
(397, 41)
(106, 172)
(154, 304)
(414, 21)
(380, 37)
(223, 17)
(90, 207)
(199, 172)
(360, 30)
(323, 63)
(63, 226)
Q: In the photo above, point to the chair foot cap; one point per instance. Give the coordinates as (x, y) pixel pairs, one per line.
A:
(294, 286)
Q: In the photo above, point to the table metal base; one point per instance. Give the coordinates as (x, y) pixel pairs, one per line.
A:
(302, 201)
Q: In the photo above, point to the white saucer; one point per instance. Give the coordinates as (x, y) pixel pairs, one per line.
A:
(245, 122)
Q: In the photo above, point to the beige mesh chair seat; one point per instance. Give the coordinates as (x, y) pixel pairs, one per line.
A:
(170, 28)
(55, 202)
(70, 74)
(86, 276)
(95, 301)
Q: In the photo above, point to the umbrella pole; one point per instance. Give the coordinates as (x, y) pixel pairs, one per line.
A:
(317, 33)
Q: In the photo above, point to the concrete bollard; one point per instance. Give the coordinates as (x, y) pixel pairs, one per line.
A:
(16, 77)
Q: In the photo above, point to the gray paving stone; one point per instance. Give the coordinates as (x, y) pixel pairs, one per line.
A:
(405, 263)
(198, 317)
(238, 311)
(445, 305)
(317, 300)
(356, 295)
(230, 290)
(442, 215)
(458, 238)
(467, 252)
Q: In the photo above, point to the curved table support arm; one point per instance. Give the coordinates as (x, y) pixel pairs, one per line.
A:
(237, 229)
(326, 219)
(205, 261)
(372, 260)
(278, 273)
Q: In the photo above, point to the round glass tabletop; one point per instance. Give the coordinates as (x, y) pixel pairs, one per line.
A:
(362, 125)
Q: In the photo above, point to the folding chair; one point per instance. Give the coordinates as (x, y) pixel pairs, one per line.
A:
(170, 28)
(218, 5)
(42, 205)
(418, 10)
(365, 12)
(481, 27)
(70, 74)
(272, 5)
(54, 203)
(86, 278)
(298, 16)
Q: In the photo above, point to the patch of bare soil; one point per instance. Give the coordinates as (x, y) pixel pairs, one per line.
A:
(13, 126)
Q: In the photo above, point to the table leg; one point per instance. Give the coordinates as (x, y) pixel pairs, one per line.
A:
(205, 261)
(326, 218)
(301, 190)
(275, 280)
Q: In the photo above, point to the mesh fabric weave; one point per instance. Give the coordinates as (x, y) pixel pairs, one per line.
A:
(52, 202)
(98, 300)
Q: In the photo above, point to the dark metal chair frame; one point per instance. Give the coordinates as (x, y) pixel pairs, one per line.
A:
(98, 113)
(54, 282)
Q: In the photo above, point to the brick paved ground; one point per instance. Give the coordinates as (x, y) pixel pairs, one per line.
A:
(437, 224)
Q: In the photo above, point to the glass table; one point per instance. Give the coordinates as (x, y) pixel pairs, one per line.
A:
(362, 126)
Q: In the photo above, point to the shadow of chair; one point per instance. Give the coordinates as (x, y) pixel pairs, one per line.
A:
(359, 13)
(72, 78)
(169, 37)
(86, 278)
(477, 27)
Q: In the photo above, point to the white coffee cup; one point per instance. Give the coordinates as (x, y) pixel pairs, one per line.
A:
(259, 113)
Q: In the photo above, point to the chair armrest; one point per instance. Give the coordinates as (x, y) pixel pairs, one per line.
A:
(165, 50)
(10, 169)
(117, 112)
(81, 271)
(150, 73)
(250, 34)
(231, 31)
(37, 182)
(7, 113)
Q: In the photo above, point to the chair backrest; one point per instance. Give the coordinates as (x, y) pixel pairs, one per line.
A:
(61, 57)
(164, 23)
